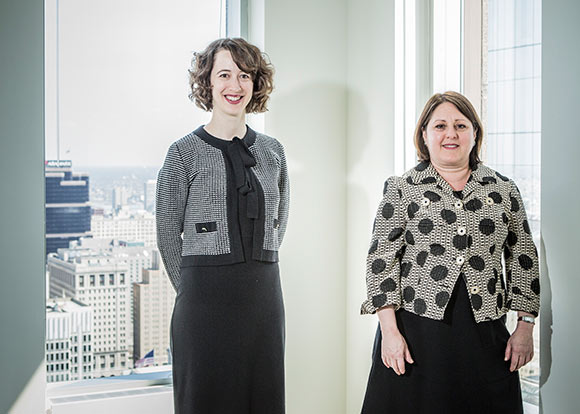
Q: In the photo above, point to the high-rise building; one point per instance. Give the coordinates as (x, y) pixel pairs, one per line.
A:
(153, 301)
(133, 257)
(149, 190)
(136, 257)
(69, 340)
(127, 226)
(133, 254)
(100, 280)
(120, 197)
(68, 213)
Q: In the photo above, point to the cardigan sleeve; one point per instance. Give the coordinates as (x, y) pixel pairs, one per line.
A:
(383, 276)
(172, 190)
(521, 259)
(284, 189)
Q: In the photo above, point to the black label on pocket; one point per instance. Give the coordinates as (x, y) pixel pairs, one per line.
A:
(276, 223)
(206, 227)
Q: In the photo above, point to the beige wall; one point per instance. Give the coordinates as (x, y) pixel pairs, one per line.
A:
(306, 42)
(333, 111)
(370, 161)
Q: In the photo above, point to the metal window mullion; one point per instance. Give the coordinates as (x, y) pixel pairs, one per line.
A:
(236, 18)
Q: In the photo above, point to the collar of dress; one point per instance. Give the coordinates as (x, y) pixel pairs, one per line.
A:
(425, 173)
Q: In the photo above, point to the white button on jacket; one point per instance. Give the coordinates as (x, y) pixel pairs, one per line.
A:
(420, 248)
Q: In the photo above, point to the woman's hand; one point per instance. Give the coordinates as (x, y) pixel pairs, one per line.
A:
(394, 351)
(520, 346)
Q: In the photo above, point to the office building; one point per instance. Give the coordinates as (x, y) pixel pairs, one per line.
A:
(68, 213)
(98, 279)
(120, 197)
(132, 257)
(127, 226)
(153, 301)
(149, 191)
(69, 340)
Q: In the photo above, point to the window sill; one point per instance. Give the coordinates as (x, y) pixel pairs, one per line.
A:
(139, 392)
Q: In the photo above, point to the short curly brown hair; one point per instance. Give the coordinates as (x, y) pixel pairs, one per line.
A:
(248, 58)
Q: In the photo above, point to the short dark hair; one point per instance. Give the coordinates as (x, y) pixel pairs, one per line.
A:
(248, 58)
(465, 107)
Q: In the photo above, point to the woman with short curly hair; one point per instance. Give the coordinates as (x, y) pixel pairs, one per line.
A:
(222, 209)
(248, 58)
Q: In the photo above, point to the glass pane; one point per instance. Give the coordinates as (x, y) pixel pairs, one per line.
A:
(116, 98)
(514, 127)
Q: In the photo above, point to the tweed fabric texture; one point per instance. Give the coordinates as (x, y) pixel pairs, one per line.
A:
(192, 190)
(276, 192)
(426, 235)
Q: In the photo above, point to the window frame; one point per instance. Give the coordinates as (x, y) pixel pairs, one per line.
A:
(233, 22)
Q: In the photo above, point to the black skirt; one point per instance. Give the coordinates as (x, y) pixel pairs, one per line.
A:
(459, 366)
(227, 335)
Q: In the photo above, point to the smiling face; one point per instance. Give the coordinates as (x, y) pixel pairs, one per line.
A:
(231, 88)
(449, 136)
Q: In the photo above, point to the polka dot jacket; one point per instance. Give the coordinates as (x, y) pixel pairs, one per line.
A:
(426, 235)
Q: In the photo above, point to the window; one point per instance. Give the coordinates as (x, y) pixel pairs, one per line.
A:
(115, 61)
(514, 122)
(508, 100)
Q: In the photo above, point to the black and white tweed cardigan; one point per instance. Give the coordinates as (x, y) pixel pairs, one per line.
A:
(426, 235)
(197, 222)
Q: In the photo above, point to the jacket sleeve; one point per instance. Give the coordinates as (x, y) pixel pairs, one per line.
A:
(383, 274)
(521, 259)
(172, 190)
(284, 188)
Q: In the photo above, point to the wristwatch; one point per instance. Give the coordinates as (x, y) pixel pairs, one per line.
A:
(528, 319)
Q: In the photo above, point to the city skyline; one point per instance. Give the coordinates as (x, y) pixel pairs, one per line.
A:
(100, 272)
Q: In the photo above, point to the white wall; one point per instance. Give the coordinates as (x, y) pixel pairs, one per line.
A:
(560, 336)
(333, 109)
(370, 145)
(306, 43)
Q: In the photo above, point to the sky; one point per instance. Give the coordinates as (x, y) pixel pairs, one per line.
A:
(123, 77)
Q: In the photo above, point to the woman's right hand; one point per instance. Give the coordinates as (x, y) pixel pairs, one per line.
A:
(395, 351)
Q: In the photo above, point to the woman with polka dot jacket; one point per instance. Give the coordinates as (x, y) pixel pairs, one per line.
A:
(435, 277)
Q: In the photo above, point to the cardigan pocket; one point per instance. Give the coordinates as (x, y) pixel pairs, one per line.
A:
(206, 227)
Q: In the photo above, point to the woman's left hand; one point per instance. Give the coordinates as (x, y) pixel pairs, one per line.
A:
(520, 346)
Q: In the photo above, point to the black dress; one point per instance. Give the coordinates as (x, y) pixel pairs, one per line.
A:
(227, 333)
(459, 366)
